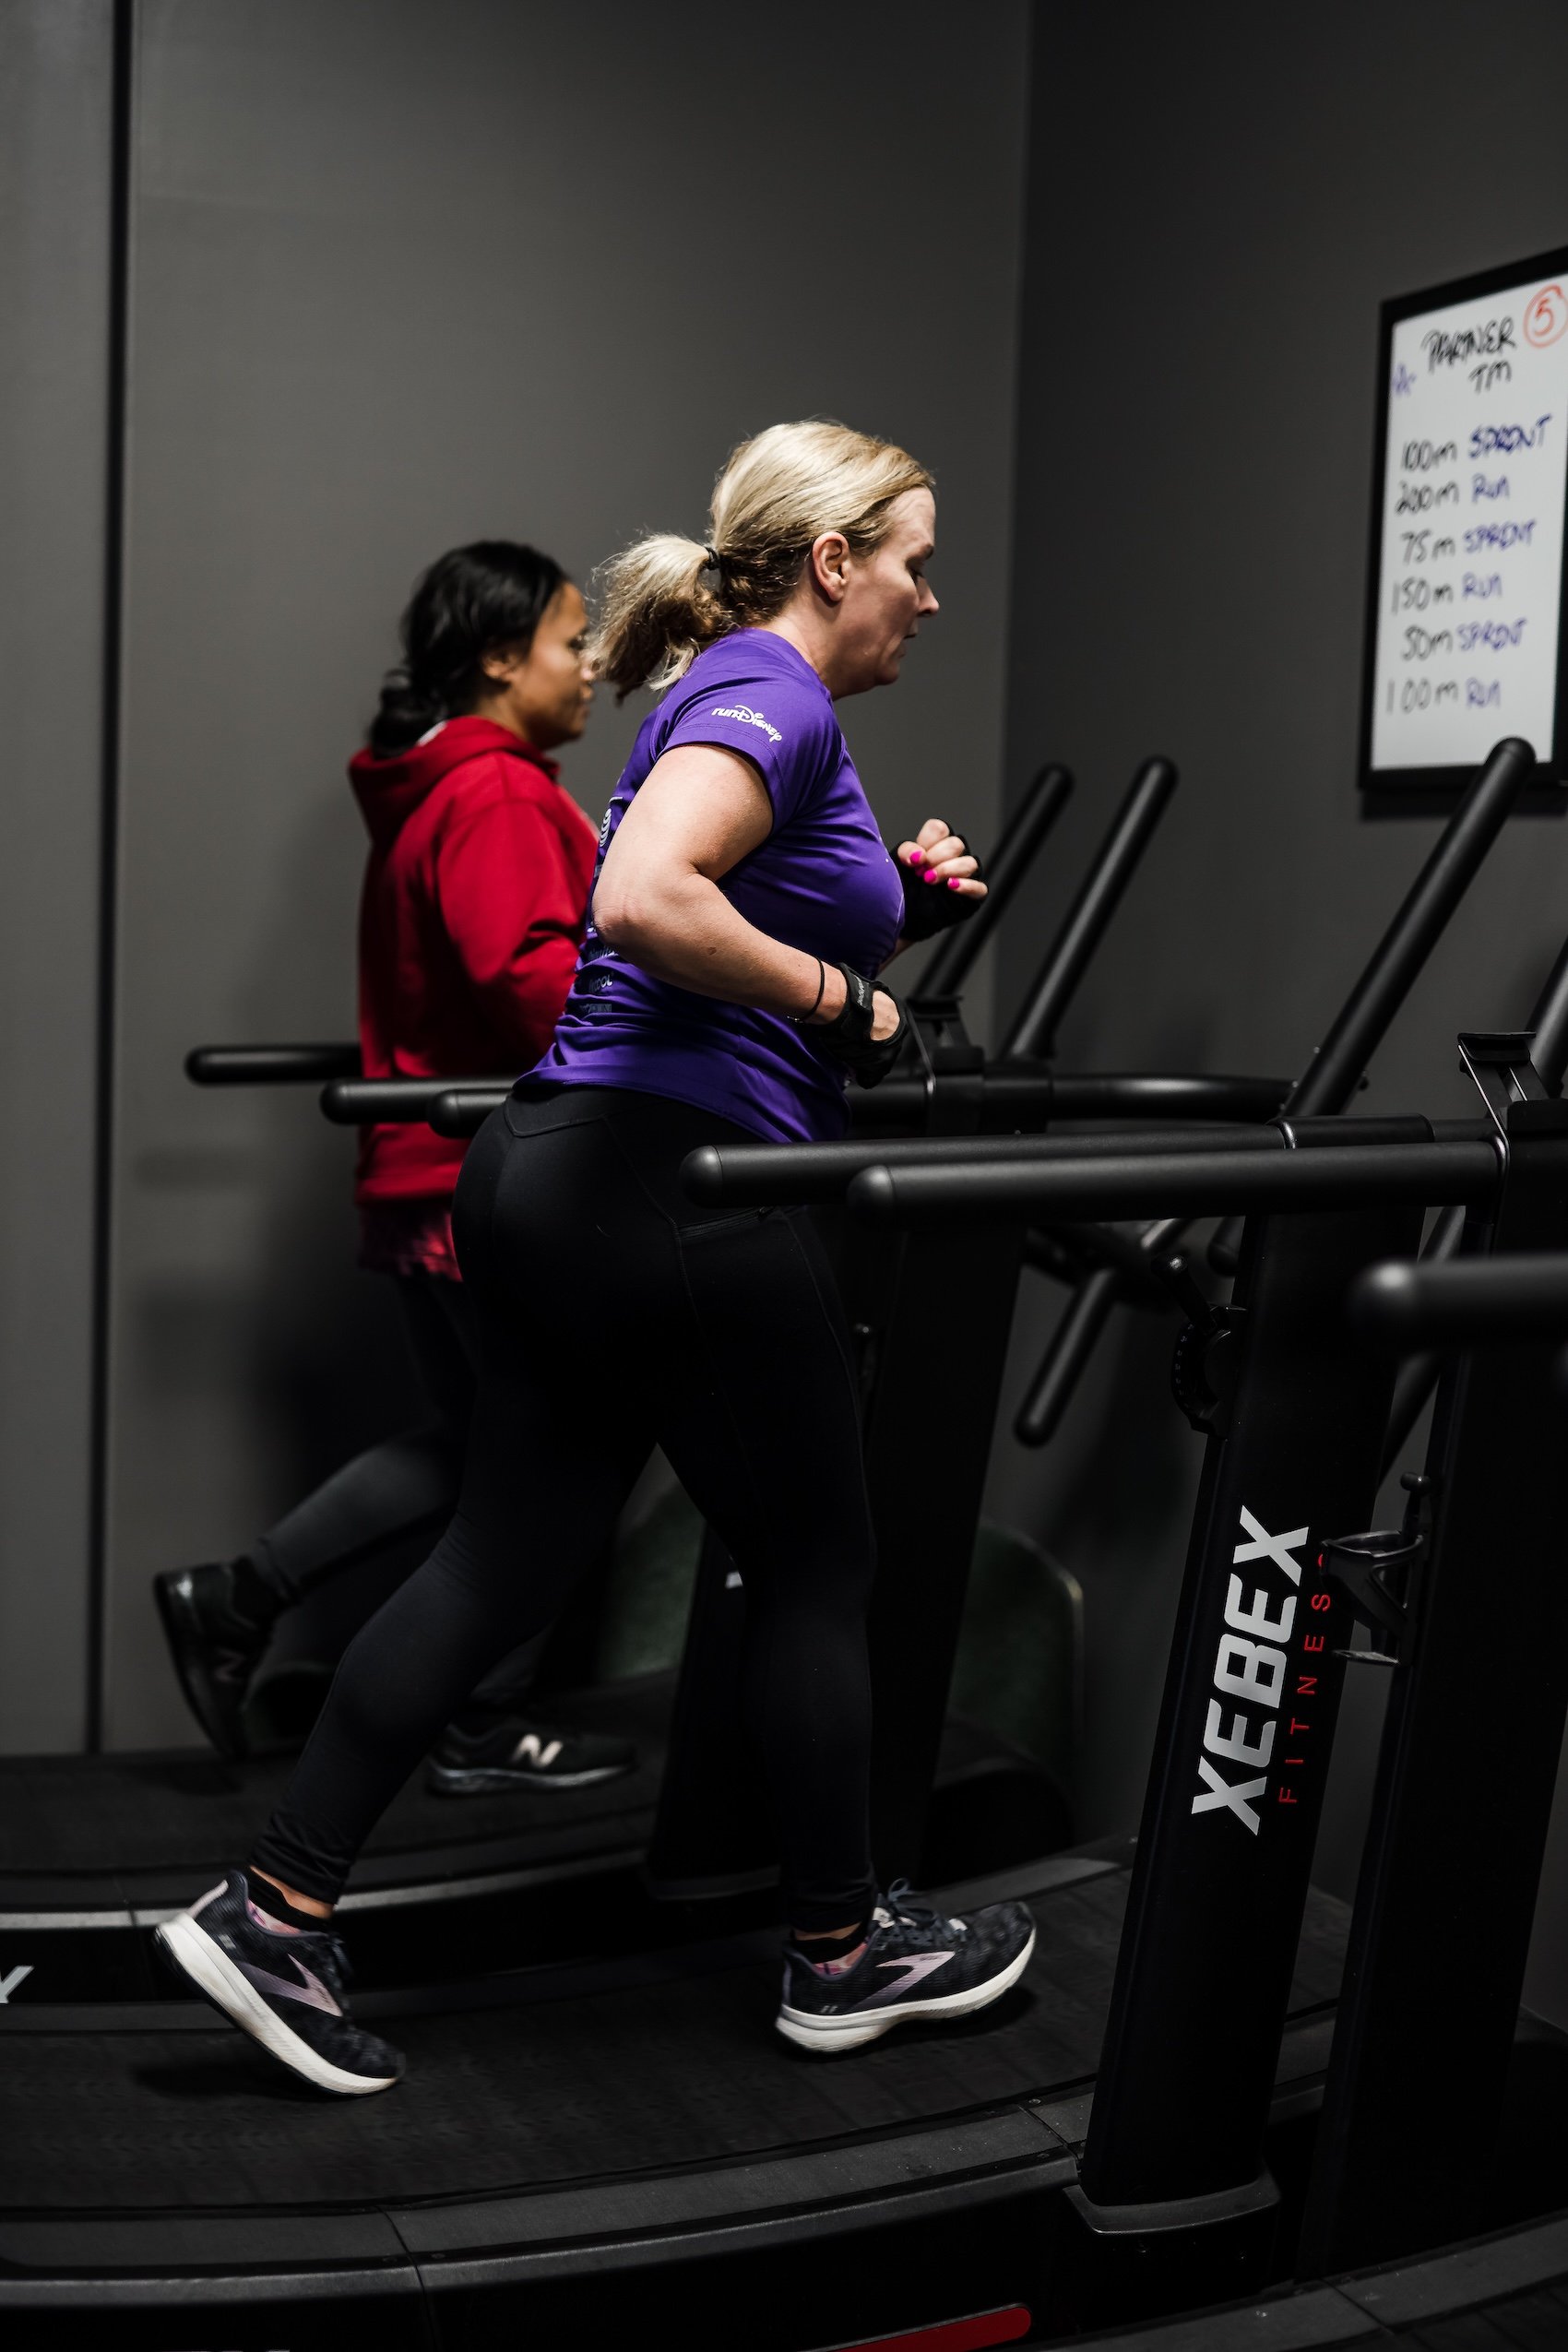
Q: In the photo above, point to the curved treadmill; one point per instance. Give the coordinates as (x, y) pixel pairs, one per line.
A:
(568, 2142)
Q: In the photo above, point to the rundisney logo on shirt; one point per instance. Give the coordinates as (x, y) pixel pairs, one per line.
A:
(752, 717)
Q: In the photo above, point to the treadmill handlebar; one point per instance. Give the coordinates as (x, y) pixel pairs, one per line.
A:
(957, 952)
(363, 1103)
(1204, 1183)
(1338, 1067)
(1335, 1069)
(1161, 1094)
(461, 1111)
(1548, 1024)
(1115, 863)
(764, 1175)
(1021, 1096)
(271, 1065)
(1410, 1308)
(1024, 1096)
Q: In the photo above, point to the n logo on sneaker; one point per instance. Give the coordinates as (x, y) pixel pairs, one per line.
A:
(312, 1992)
(916, 1969)
(531, 1749)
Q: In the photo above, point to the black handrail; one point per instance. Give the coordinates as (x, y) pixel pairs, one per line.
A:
(1160, 1093)
(953, 958)
(362, 1102)
(461, 1111)
(1023, 1095)
(1116, 861)
(764, 1175)
(1523, 1296)
(1550, 1024)
(1197, 1184)
(1337, 1068)
(271, 1065)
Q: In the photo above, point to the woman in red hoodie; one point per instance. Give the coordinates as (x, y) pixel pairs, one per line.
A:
(472, 914)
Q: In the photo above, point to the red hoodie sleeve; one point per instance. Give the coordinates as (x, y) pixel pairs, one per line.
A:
(512, 900)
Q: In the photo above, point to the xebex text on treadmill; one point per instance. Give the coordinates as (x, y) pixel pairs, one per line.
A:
(1251, 1666)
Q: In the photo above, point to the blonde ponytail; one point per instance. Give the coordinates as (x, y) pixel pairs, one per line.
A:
(654, 614)
(666, 598)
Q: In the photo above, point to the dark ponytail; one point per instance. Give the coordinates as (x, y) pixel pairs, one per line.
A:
(472, 602)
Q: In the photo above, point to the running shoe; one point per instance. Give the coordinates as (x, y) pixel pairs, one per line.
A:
(216, 1649)
(515, 1753)
(285, 1990)
(917, 1964)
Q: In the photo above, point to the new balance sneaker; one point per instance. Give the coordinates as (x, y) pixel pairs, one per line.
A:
(514, 1753)
(285, 1990)
(917, 1964)
(215, 1646)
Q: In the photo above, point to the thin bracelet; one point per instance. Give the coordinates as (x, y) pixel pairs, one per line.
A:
(800, 1019)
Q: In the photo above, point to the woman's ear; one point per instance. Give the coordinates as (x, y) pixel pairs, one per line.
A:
(829, 565)
(501, 664)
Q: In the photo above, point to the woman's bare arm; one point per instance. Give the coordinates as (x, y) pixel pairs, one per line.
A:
(699, 811)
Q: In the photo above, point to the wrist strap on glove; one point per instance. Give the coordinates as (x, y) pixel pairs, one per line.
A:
(848, 1036)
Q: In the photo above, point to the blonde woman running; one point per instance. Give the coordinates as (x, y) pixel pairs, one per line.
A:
(744, 904)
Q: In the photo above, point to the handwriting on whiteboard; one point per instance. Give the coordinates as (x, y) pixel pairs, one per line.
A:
(1469, 582)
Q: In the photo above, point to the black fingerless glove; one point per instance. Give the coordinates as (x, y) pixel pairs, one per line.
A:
(848, 1036)
(932, 907)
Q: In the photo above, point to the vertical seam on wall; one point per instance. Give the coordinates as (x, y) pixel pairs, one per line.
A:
(123, 37)
(1014, 771)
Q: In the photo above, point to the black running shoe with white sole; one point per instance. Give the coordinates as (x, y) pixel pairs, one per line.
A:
(917, 1964)
(215, 1646)
(285, 1990)
(515, 1753)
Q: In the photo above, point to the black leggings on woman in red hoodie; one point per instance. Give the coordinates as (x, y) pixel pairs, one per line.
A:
(403, 1483)
(614, 1315)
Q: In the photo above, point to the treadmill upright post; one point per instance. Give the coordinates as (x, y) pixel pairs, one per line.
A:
(1224, 1856)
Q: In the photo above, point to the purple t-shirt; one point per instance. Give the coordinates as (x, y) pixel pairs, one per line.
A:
(822, 881)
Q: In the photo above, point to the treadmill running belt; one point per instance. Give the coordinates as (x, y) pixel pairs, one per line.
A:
(189, 1810)
(654, 2065)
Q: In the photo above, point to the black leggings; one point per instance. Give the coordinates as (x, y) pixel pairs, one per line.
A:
(404, 1486)
(615, 1315)
(405, 1481)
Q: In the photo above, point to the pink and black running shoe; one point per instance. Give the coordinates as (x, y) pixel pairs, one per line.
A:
(285, 1989)
(917, 1964)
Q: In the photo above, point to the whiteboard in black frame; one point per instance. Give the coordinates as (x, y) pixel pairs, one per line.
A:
(1465, 610)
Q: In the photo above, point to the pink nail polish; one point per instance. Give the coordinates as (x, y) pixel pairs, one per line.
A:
(917, 857)
(934, 877)
(952, 881)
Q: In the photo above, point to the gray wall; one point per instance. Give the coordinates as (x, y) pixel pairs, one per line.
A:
(54, 273)
(405, 275)
(1220, 197)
